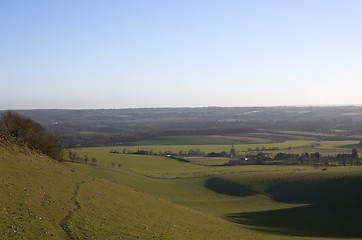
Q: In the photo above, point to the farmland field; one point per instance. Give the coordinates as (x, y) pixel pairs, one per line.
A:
(205, 140)
(269, 202)
(188, 173)
(44, 199)
(291, 146)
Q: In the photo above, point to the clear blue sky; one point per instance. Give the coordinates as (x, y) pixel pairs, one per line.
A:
(118, 54)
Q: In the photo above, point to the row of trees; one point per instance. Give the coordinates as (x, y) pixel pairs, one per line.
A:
(191, 153)
(316, 159)
(253, 157)
(181, 153)
(32, 134)
(74, 157)
(257, 149)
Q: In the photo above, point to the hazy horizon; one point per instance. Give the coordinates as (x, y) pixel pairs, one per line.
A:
(182, 107)
(156, 54)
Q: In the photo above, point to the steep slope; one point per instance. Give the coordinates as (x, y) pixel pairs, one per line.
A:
(36, 193)
(114, 211)
(45, 199)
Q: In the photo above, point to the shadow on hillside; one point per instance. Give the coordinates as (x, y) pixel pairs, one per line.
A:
(311, 221)
(349, 146)
(227, 187)
(335, 210)
(330, 191)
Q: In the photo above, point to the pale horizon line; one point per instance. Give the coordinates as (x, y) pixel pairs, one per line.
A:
(194, 107)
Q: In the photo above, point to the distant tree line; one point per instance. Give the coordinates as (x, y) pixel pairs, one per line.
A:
(315, 159)
(257, 149)
(107, 128)
(32, 134)
(260, 158)
(191, 153)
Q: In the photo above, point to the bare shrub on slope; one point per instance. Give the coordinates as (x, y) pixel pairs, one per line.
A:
(31, 133)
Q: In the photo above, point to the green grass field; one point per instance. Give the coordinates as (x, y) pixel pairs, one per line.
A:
(214, 148)
(151, 197)
(36, 194)
(208, 161)
(273, 202)
(45, 199)
(248, 138)
(291, 146)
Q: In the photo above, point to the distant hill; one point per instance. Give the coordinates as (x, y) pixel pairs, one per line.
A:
(107, 127)
(44, 199)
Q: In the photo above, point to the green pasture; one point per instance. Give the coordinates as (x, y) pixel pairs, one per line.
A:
(154, 197)
(336, 145)
(246, 138)
(323, 147)
(213, 148)
(113, 211)
(291, 146)
(332, 202)
(303, 133)
(44, 199)
(278, 202)
(246, 194)
(208, 161)
(161, 167)
(168, 180)
(167, 168)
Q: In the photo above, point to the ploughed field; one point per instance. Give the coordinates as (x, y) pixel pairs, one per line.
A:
(264, 201)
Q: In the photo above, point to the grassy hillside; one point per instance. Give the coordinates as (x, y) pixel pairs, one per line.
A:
(45, 199)
(329, 201)
(268, 202)
(114, 211)
(36, 194)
